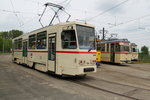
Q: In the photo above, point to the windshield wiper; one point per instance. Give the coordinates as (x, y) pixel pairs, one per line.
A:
(90, 49)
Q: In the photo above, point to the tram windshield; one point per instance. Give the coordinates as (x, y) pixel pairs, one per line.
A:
(86, 37)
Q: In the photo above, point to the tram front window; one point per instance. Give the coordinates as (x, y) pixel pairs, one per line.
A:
(86, 37)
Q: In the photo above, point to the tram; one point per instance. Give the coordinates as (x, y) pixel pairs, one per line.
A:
(115, 51)
(65, 49)
(134, 52)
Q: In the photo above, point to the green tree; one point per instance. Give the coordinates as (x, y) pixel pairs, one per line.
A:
(15, 33)
(6, 39)
(144, 52)
(5, 35)
(11, 34)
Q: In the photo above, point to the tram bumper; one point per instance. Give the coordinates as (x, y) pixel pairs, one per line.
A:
(125, 61)
(87, 69)
(79, 70)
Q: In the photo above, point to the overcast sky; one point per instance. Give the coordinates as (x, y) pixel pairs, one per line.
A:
(130, 20)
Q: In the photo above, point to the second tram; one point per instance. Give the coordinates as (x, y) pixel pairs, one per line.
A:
(115, 51)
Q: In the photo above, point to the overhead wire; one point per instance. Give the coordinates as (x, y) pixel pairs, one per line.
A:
(107, 10)
(10, 11)
(15, 13)
(122, 23)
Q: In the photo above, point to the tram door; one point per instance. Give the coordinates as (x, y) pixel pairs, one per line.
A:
(25, 53)
(52, 53)
(112, 55)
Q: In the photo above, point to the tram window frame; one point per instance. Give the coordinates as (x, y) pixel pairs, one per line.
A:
(41, 42)
(15, 44)
(19, 44)
(32, 41)
(68, 39)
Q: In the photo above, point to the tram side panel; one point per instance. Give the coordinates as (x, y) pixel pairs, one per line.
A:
(105, 56)
(125, 58)
(17, 56)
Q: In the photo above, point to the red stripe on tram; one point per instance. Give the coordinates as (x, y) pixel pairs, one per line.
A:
(121, 52)
(39, 51)
(125, 53)
(17, 51)
(75, 52)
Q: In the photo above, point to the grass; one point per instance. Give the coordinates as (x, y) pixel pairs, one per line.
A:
(3, 53)
(144, 61)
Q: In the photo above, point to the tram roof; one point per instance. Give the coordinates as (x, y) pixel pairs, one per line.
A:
(59, 24)
(114, 40)
(133, 44)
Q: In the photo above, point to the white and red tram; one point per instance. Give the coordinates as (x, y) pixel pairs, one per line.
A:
(65, 49)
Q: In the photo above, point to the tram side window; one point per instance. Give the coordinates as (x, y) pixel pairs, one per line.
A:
(15, 44)
(19, 43)
(98, 47)
(32, 41)
(41, 40)
(68, 39)
(117, 47)
(107, 47)
(102, 47)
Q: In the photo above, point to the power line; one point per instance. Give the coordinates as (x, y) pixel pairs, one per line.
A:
(122, 23)
(108, 10)
(3, 10)
(14, 12)
(63, 1)
(67, 3)
(9, 11)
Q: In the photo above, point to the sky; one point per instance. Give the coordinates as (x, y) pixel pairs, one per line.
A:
(127, 18)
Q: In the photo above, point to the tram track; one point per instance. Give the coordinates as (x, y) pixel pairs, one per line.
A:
(116, 83)
(129, 75)
(125, 94)
(104, 90)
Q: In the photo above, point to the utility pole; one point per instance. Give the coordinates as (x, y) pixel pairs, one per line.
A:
(103, 32)
(103, 38)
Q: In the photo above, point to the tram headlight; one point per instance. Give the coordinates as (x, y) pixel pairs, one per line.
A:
(81, 62)
(93, 62)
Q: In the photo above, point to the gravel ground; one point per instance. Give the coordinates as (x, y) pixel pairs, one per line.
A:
(111, 82)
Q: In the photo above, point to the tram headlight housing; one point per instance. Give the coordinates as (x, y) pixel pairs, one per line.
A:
(83, 62)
